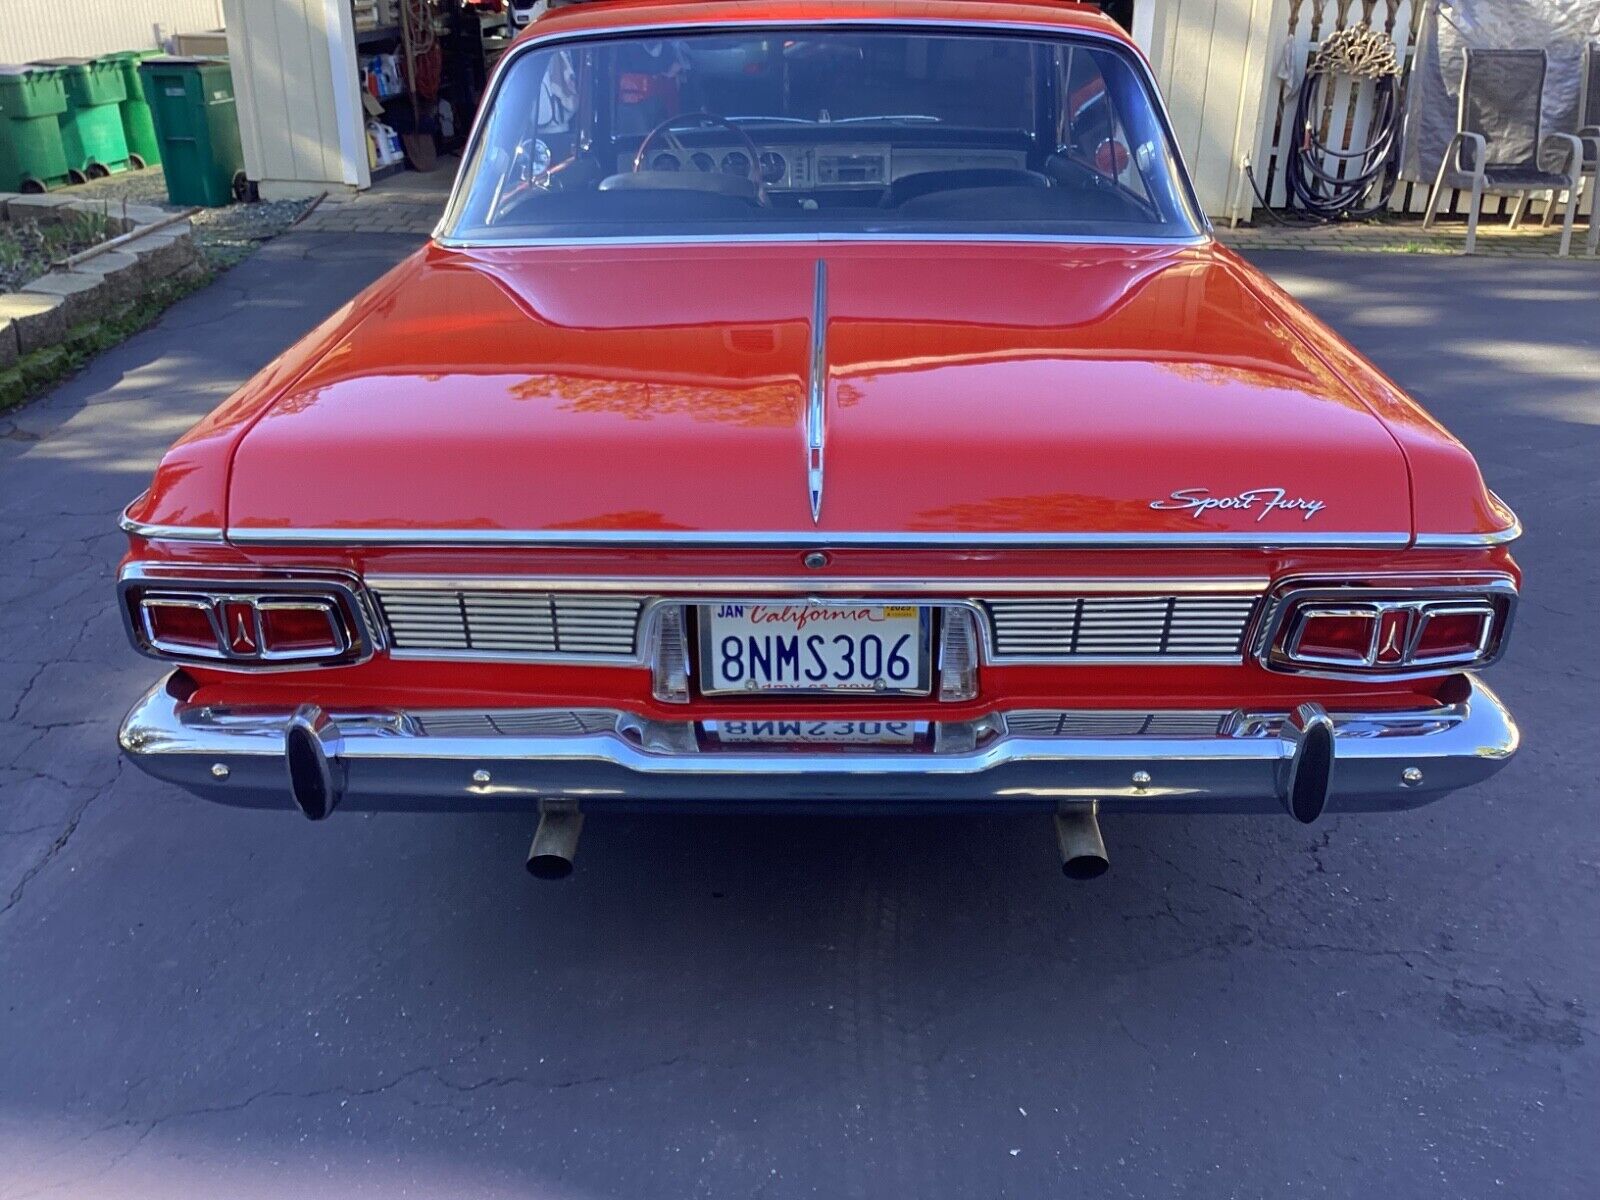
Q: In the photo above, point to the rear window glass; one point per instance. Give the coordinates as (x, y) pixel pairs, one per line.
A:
(822, 131)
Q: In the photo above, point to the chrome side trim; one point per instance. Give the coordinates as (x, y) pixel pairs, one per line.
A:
(817, 400)
(814, 539)
(1136, 61)
(166, 533)
(1178, 760)
(1469, 541)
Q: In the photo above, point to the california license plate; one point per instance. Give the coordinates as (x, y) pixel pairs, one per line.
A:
(816, 733)
(875, 649)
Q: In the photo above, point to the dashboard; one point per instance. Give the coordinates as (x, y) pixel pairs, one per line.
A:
(805, 168)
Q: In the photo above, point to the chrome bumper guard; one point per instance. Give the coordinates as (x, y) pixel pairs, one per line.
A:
(1172, 761)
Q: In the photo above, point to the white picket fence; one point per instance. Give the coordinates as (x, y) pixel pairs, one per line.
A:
(1348, 110)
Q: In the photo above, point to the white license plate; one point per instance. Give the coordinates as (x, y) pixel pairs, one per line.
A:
(809, 733)
(874, 649)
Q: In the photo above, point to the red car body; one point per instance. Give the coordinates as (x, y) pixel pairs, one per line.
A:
(1015, 418)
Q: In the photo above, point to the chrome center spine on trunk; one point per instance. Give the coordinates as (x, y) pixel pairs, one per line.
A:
(817, 400)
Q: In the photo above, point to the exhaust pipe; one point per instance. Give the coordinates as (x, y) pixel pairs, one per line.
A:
(1083, 852)
(311, 746)
(1309, 731)
(554, 842)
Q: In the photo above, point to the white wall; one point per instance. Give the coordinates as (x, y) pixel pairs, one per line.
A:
(1212, 59)
(32, 29)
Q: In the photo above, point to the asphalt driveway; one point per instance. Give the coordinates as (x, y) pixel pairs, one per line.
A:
(199, 1001)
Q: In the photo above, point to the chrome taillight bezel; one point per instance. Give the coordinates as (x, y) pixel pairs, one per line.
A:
(1301, 615)
(1291, 602)
(338, 594)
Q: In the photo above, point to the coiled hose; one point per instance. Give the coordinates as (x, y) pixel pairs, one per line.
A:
(1333, 184)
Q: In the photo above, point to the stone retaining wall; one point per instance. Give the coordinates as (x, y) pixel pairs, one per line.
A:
(59, 305)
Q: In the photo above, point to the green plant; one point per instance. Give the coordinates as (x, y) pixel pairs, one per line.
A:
(77, 231)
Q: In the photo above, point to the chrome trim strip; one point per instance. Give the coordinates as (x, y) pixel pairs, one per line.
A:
(809, 585)
(392, 759)
(1468, 541)
(734, 20)
(817, 400)
(725, 239)
(166, 533)
(814, 539)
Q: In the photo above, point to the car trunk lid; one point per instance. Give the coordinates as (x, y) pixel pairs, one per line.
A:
(968, 390)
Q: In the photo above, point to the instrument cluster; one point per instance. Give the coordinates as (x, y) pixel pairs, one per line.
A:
(729, 161)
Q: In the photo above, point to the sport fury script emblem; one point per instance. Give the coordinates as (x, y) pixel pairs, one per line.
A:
(1260, 501)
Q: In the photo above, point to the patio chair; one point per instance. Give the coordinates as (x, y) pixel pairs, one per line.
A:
(1499, 137)
(1589, 134)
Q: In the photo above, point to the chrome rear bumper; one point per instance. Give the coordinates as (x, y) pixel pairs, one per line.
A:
(1173, 761)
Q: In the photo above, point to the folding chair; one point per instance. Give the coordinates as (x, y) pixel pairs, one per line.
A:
(1498, 139)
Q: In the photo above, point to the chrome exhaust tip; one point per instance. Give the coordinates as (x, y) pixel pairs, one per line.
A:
(1309, 731)
(555, 843)
(1083, 851)
(310, 748)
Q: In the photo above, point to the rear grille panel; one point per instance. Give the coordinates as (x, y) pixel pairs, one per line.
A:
(532, 722)
(498, 622)
(509, 623)
(1114, 723)
(1186, 627)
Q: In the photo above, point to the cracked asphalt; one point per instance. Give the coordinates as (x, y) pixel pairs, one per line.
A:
(200, 1001)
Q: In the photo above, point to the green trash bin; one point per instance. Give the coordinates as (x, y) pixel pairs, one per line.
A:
(31, 101)
(91, 128)
(138, 126)
(198, 124)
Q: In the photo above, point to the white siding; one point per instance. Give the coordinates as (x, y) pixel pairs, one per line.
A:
(1212, 58)
(33, 29)
(294, 73)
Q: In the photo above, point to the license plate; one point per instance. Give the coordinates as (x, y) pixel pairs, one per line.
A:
(814, 733)
(874, 649)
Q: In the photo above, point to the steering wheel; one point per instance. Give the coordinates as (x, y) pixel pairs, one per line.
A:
(698, 120)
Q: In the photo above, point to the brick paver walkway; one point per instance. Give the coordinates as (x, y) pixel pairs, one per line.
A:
(405, 203)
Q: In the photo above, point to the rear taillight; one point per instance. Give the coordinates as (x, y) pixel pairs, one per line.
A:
(308, 627)
(1334, 635)
(184, 623)
(1453, 633)
(230, 621)
(1373, 630)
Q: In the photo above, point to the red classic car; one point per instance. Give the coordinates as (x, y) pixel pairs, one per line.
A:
(825, 407)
